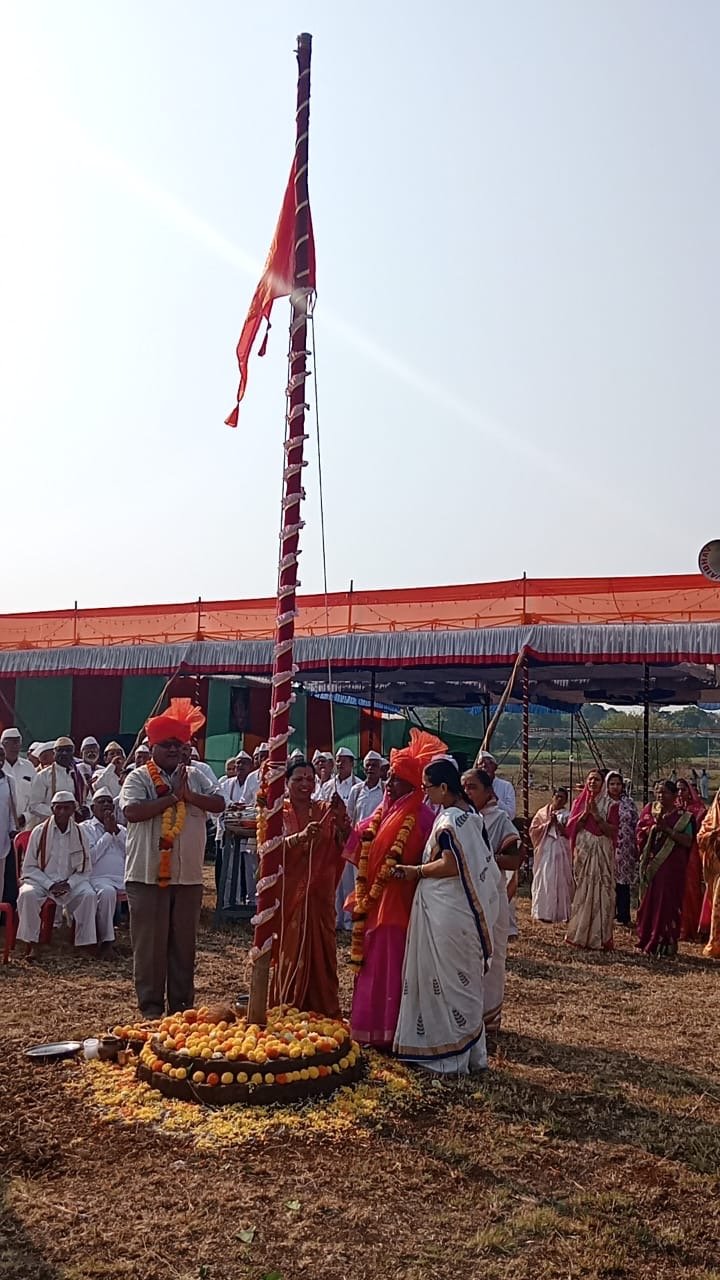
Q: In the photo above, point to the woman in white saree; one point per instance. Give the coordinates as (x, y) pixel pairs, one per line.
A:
(449, 941)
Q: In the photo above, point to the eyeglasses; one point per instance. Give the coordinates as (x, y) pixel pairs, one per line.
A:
(430, 786)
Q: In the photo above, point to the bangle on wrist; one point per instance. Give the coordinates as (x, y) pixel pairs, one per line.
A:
(421, 873)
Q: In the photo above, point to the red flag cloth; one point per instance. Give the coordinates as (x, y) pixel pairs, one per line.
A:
(276, 282)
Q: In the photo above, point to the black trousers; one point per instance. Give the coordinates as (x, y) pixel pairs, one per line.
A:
(622, 903)
(9, 886)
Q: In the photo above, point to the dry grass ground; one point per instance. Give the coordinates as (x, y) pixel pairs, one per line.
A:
(592, 1148)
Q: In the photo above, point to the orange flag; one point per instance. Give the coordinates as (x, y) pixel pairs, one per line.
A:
(276, 282)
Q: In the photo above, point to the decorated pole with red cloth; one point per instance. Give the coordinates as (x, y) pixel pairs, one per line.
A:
(269, 886)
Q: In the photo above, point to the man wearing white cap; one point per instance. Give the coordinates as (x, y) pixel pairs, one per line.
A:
(504, 790)
(252, 782)
(323, 762)
(17, 767)
(61, 775)
(57, 866)
(110, 774)
(237, 771)
(366, 796)
(88, 762)
(8, 827)
(236, 860)
(341, 784)
(107, 842)
(344, 779)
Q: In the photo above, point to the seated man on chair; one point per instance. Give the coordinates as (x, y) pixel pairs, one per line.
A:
(57, 867)
(106, 841)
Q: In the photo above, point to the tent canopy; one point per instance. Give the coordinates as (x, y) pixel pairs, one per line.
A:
(522, 602)
(587, 640)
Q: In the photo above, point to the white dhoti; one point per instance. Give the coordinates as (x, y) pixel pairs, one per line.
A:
(514, 932)
(346, 886)
(494, 988)
(79, 902)
(106, 895)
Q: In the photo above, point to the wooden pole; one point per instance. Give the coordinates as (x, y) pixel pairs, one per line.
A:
(269, 887)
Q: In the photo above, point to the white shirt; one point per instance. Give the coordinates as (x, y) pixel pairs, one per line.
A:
(342, 788)
(44, 785)
(63, 857)
(106, 777)
(207, 769)
(8, 816)
(505, 794)
(251, 787)
(107, 852)
(233, 791)
(502, 833)
(22, 773)
(143, 838)
(363, 801)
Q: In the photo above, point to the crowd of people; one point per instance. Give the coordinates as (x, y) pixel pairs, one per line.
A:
(418, 859)
(590, 861)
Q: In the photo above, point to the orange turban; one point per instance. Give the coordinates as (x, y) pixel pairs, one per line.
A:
(409, 763)
(181, 720)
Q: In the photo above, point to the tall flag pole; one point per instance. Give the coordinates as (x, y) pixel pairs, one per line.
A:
(269, 887)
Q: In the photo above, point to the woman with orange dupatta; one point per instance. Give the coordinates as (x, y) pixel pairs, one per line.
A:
(592, 830)
(709, 846)
(315, 831)
(689, 800)
(395, 834)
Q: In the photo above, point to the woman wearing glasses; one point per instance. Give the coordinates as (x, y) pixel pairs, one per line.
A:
(449, 943)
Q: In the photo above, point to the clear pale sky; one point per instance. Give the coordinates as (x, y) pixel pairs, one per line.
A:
(516, 217)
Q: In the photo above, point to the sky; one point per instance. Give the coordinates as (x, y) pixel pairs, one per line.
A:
(515, 212)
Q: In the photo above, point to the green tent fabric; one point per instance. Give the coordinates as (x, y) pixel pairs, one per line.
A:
(347, 728)
(43, 708)
(139, 695)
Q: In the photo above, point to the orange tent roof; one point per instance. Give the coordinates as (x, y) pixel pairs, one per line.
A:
(682, 598)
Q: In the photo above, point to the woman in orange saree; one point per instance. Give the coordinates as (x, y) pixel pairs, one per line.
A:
(305, 972)
(709, 846)
(395, 834)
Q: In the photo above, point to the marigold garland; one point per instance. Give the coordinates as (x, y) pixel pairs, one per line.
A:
(363, 896)
(173, 821)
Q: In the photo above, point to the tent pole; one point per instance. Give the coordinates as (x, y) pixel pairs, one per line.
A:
(646, 734)
(526, 747)
(372, 711)
(572, 752)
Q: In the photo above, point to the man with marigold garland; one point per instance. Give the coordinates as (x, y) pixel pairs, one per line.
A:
(165, 804)
(395, 834)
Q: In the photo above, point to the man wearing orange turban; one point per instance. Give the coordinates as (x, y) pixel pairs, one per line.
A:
(396, 833)
(165, 804)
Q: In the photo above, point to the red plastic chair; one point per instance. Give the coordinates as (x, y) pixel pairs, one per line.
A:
(47, 921)
(7, 913)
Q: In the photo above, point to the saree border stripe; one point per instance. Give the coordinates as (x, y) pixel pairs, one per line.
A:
(443, 1050)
